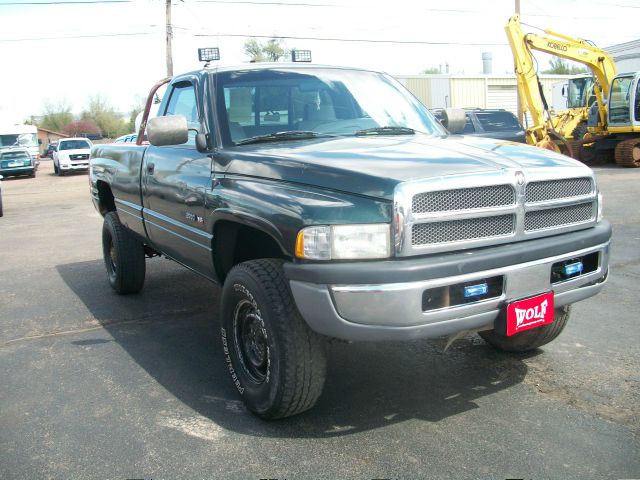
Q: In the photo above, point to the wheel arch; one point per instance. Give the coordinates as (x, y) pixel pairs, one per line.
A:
(239, 238)
(106, 200)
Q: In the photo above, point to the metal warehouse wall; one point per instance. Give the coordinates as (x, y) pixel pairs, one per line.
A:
(480, 91)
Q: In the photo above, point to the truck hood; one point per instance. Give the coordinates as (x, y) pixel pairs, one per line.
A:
(75, 151)
(373, 166)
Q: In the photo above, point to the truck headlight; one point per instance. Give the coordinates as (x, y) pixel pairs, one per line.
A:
(344, 242)
(599, 215)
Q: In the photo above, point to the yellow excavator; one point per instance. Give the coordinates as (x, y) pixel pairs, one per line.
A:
(610, 124)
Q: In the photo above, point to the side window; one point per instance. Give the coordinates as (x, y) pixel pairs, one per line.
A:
(183, 102)
(637, 105)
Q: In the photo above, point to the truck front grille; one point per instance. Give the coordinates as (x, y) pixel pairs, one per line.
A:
(555, 189)
(490, 209)
(459, 230)
(556, 217)
(464, 199)
(79, 156)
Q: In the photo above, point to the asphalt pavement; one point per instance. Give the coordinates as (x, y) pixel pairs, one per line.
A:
(96, 385)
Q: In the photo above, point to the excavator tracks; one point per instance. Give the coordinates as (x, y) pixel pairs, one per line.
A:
(628, 153)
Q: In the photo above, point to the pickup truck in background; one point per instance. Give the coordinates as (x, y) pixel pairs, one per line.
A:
(329, 203)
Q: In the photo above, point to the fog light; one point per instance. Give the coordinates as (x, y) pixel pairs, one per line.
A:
(573, 269)
(475, 290)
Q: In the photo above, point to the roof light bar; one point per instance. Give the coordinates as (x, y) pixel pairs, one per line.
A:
(208, 54)
(301, 55)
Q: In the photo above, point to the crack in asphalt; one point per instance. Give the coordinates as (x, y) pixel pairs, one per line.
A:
(76, 331)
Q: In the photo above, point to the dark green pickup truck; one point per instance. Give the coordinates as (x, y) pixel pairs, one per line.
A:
(329, 203)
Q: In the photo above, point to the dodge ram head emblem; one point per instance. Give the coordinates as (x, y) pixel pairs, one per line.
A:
(519, 178)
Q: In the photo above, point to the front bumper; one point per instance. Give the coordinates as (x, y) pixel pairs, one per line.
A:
(385, 300)
(82, 165)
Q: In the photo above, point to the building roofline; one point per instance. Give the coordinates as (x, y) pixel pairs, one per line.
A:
(52, 131)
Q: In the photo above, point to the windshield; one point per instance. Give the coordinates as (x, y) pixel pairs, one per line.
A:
(325, 101)
(498, 121)
(620, 100)
(579, 90)
(74, 145)
(19, 140)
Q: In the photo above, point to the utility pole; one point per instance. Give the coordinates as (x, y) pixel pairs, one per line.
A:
(169, 37)
(520, 113)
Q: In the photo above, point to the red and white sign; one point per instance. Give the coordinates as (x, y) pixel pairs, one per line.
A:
(529, 313)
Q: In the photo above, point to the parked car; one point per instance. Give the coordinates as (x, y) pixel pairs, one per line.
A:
(16, 161)
(48, 153)
(492, 123)
(71, 155)
(131, 138)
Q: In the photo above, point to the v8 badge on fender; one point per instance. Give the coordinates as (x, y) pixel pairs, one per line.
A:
(529, 313)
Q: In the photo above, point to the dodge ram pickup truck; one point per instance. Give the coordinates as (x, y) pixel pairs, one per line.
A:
(330, 204)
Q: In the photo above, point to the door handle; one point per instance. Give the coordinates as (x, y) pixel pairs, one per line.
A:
(150, 168)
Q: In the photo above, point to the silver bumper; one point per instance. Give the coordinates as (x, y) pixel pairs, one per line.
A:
(393, 311)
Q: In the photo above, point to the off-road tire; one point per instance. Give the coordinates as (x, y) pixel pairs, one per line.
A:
(124, 256)
(529, 339)
(290, 377)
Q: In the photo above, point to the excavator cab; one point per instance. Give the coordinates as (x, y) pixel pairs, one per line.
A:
(580, 92)
(624, 102)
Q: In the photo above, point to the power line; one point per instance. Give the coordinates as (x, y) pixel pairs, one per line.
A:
(76, 36)
(80, 2)
(361, 40)
(290, 4)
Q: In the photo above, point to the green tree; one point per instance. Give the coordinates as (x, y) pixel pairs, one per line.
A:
(560, 66)
(253, 50)
(100, 111)
(271, 51)
(431, 70)
(56, 116)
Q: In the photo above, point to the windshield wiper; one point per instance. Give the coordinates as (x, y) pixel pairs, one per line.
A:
(386, 131)
(287, 135)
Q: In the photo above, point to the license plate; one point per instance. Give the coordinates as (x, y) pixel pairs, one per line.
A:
(529, 313)
(15, 164)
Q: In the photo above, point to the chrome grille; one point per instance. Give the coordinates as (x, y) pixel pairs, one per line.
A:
(79, 156)
(556, 189)
(463, 199)
(555, 217)
(465, 229)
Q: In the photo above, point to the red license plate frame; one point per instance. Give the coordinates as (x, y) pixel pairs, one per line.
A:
(528, 313)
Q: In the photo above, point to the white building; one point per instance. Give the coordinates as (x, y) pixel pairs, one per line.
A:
(626, 56)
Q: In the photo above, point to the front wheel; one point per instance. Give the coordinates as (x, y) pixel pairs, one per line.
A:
(276, 362)
(123, 256)
(529, 339)
(56, 170)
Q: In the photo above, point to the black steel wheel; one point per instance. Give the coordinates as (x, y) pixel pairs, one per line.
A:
(276, 362)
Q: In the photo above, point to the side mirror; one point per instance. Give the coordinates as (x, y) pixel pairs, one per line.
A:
(171, 130)
(454, 119)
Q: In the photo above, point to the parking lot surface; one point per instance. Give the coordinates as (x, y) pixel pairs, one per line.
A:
(96, 385)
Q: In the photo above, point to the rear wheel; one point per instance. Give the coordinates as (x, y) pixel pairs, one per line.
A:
(530, 339)
(123, 256)
(275, 361)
